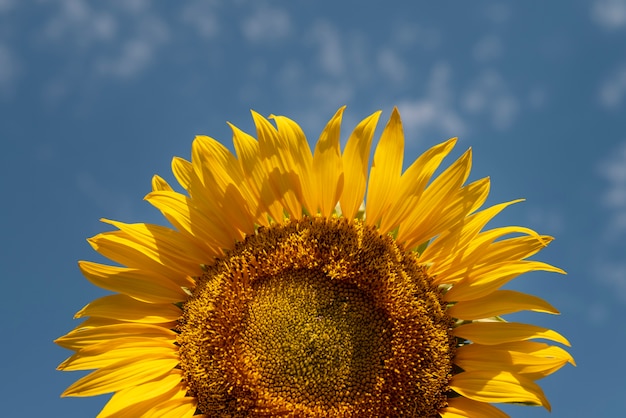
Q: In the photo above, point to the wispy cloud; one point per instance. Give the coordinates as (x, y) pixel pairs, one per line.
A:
(118, 40)
(267, 25)
(610, 14)
(6, 5)
(9, 70)
(613, 170)
(136, 52)
(391, 65)
(203, 17)
(487, 48)
(489, 94)
(613, 90)
(329, 49)
(436, 111)
(613, 274)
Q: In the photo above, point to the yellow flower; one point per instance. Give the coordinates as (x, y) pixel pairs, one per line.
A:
(278, 292)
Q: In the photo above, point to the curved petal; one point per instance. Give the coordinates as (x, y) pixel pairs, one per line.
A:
(461, 407)
(434, 199)
(159, 183)
(300, 157)
(452, 247)
(413, 183)
(327, 166)
(278, 163)
(386, 170)
(138, 284)
(520, 357)
(183, 170)
(263, 199)
(482, 283)
(489, 333)
(123, 374)
(135, 401)
(355, 164)
(127, 309)
(503, 387)
(181, 212)
(498, 303)
(110, 352)
(83, 337)
(183, 407)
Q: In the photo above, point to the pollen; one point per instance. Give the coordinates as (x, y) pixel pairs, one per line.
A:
(317, 317)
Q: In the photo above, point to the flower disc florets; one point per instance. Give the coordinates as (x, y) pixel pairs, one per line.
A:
(317, 317)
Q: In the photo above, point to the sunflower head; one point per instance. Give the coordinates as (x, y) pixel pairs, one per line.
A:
(308, 283)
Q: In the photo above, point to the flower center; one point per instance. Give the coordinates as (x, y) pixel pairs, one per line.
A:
(317, 317)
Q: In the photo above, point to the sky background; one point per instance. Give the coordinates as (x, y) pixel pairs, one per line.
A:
(98, 96)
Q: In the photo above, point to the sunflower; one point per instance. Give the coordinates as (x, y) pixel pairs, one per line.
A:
(278, 291)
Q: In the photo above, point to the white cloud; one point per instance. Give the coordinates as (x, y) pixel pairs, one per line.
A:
(613, 274)
(489, 94)
(487, 48)
(391, 65)
(610, 14)
(613, 89)
(202, 16)
(137, 52)
(537, 97)
(267, 25)
(498, 12)
(77, 24)
(409, 35)
(117, 39)
(330, 53)
(436, 111)
(6, 5)
(9, 70)
(613, 170)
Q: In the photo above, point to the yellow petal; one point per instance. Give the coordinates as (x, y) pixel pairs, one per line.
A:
(125, 373)
(124, 308)
(483, 253)
(150, 247)
(355, 164)
(300, 158)
(83, 337)
(183, 170)
(498, 303)
(413, 183)
(135, 401)
(184, 407)
(327, 166)
(483, 282)
(459, 241)
(247, 149)
(460, 407)
(276, 156)
(181, 212)
(215, 187)
(521, 358)
(386, 170)
(138, 284)
(110, 352)
(434, 199)
(503, 332)
(503, 387)
(454, 209)
(158, 183)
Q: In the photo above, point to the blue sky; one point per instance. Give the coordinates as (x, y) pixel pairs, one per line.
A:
(96, 97)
